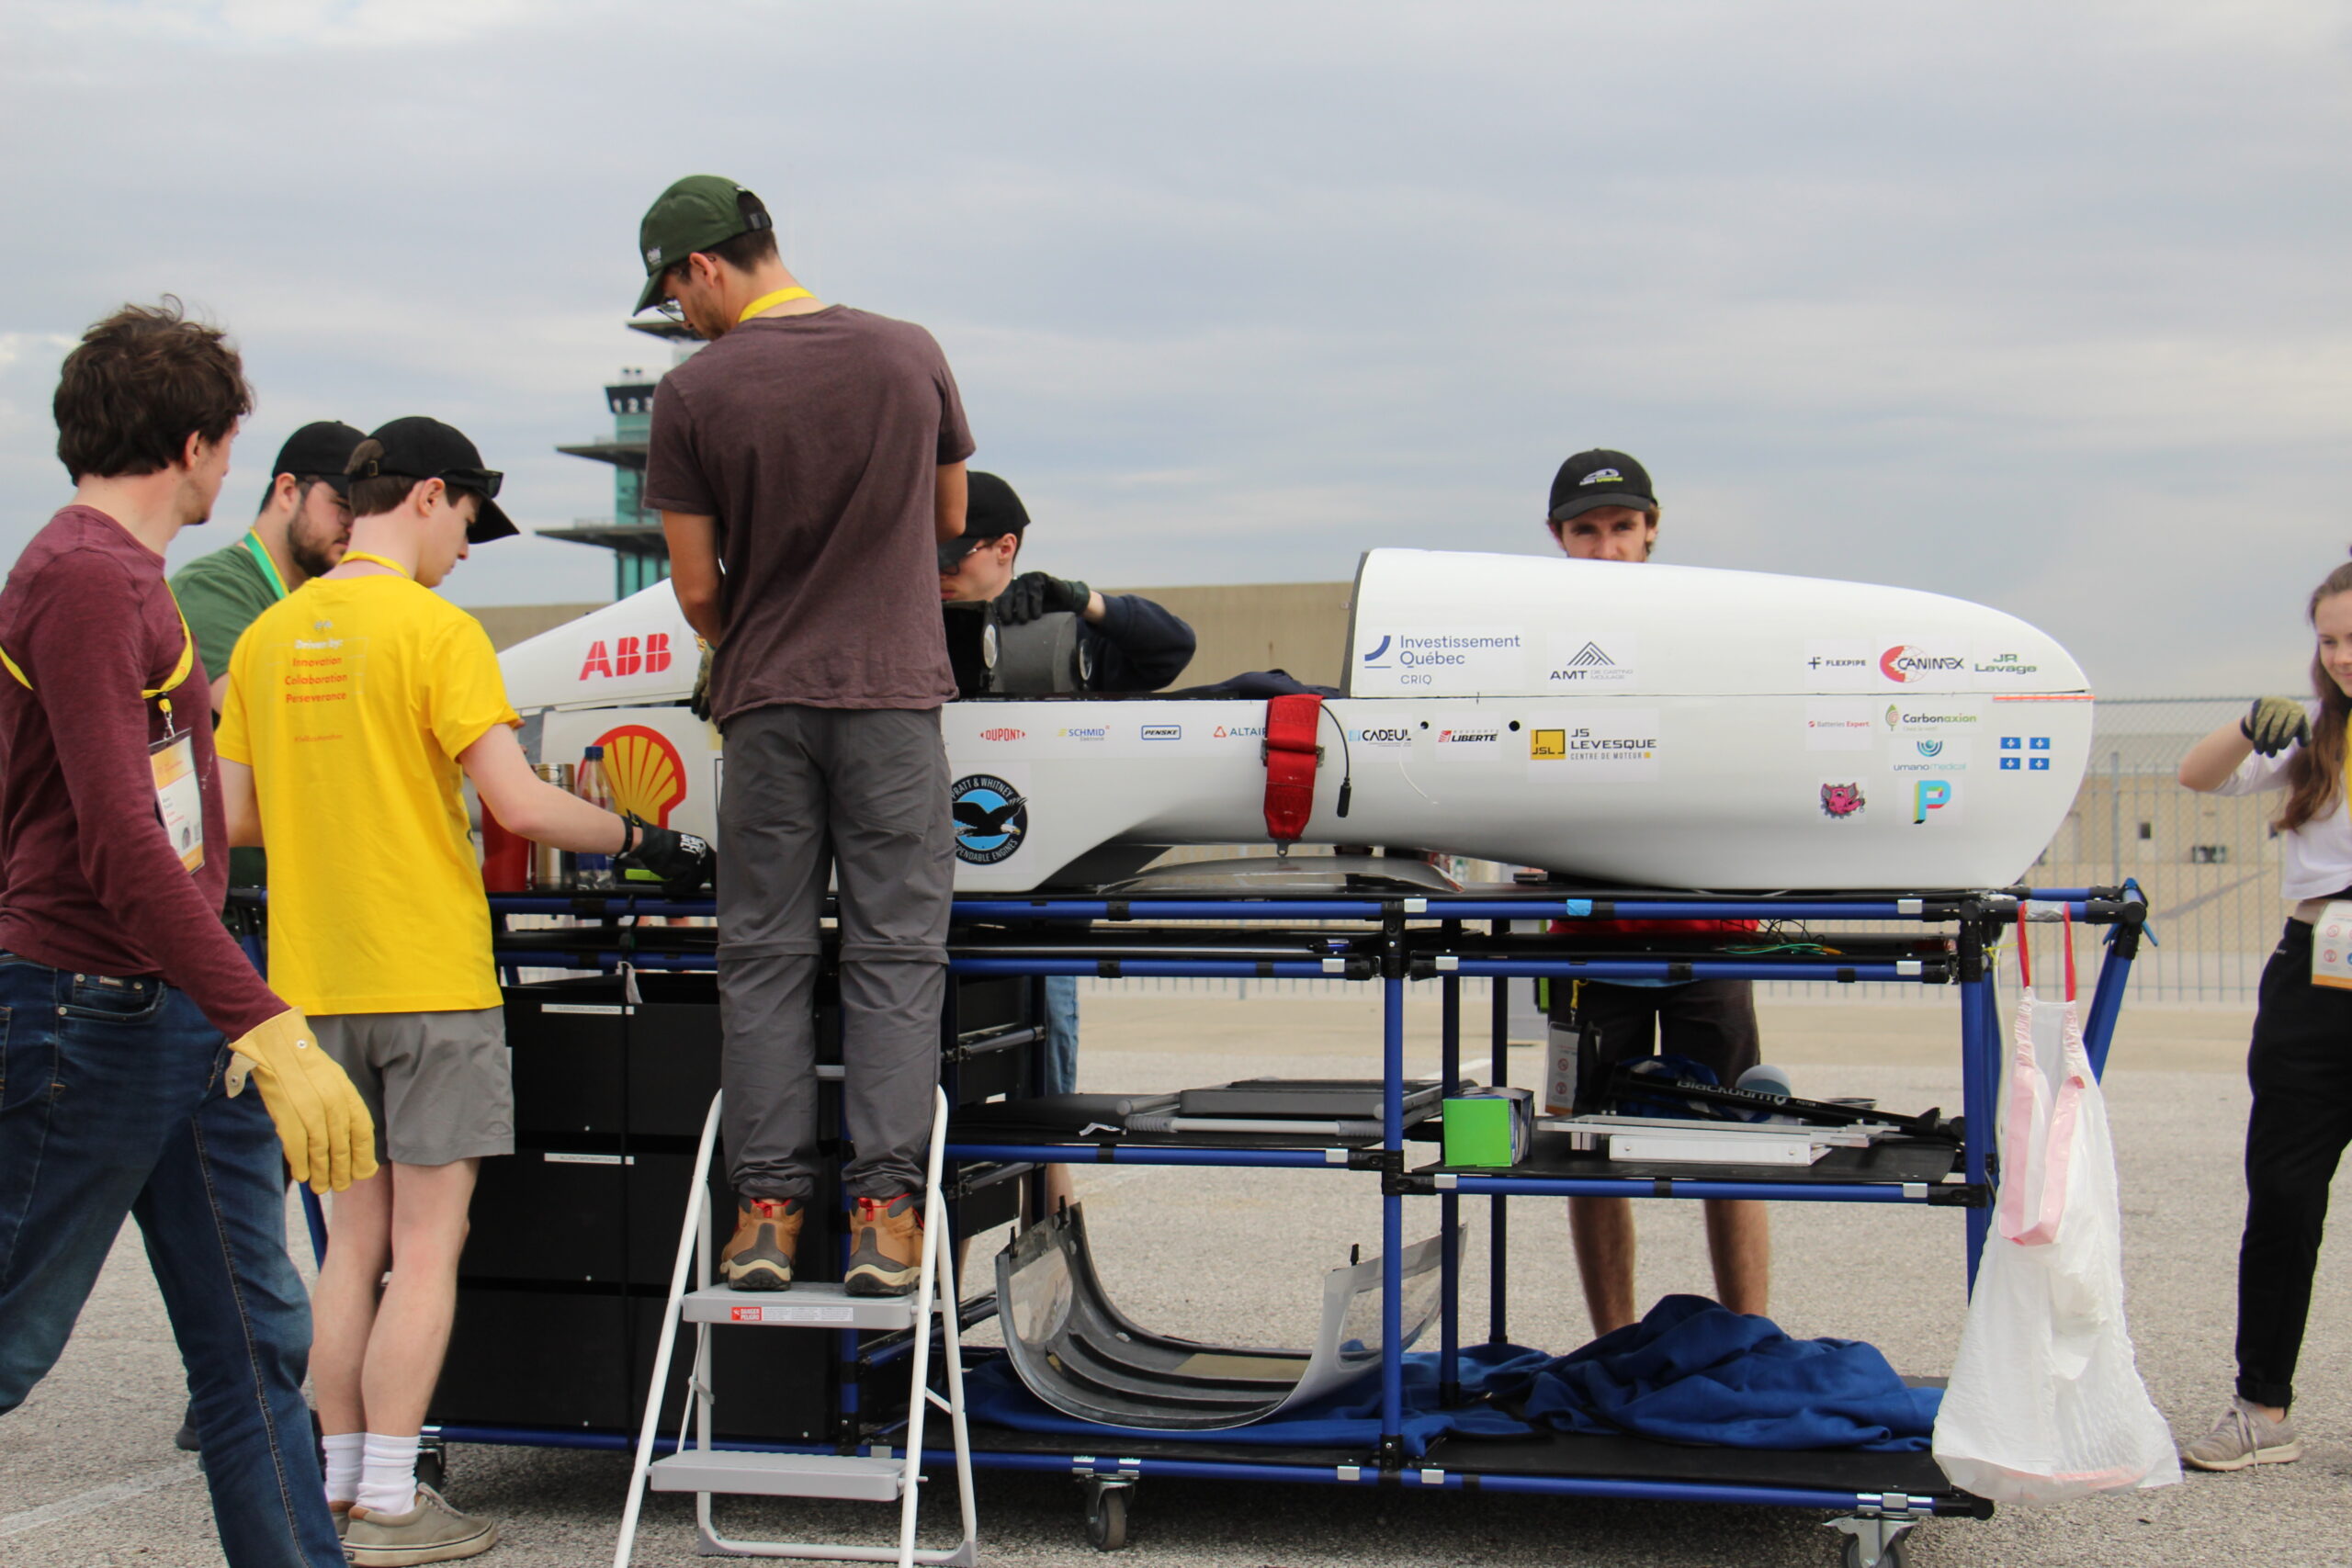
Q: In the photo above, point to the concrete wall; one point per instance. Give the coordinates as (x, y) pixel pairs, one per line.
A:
(1298, 627)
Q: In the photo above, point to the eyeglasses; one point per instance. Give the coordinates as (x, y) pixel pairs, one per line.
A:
(670, 310)
(953, 553)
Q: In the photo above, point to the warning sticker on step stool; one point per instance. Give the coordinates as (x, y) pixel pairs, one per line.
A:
(2332, 946)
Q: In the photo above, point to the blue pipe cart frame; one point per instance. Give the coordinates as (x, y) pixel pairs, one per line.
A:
(1402, 940)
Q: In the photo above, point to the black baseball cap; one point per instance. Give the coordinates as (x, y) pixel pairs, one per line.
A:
(990, 511)
(320, 450)
(421, 448)
(1599, 478)
(698, 213)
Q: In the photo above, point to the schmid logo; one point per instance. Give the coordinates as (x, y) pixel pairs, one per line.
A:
(1547, 745)
(648, 655)
(1004, 735)
(1163, 732)
(1906, 663)
(1842, 802)
(1929, 795)
(1090, 732)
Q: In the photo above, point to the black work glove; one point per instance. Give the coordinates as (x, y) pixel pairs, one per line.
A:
(1033, 593)
(698, 705)
(2273, 724)
(682, 862)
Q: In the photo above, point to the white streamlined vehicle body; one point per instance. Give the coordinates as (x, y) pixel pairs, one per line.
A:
(1629, 724)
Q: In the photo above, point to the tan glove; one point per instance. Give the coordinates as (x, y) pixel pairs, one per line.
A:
(2273, 724)
(330, 1139)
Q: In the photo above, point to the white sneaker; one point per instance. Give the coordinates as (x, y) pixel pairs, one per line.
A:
(431, 1532)
(2243, 1436)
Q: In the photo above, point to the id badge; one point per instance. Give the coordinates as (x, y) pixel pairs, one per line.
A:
(179, 801)
(2332, 946)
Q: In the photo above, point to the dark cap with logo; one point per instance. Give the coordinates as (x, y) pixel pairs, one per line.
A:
(1599, 478)
(421, 448)
(698, 213)
(320, 450)
(990, 511)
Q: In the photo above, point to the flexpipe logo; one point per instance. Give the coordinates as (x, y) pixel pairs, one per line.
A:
(1929, 794)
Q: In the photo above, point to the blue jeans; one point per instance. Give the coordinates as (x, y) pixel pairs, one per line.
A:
(110, 1104)
(1061, 1034)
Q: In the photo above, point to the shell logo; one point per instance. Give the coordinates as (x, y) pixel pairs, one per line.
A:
(644, 770)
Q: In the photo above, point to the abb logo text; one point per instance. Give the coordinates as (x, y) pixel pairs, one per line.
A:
(648, 655)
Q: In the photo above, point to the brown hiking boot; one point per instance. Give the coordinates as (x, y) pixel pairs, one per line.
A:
(885, 1246)
(759, 1255)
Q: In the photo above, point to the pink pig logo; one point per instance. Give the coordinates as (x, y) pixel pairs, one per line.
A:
(1841, 801)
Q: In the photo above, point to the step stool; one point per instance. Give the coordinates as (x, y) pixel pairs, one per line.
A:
(876, 1477)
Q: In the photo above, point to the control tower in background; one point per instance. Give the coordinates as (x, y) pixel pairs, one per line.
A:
(640, 557)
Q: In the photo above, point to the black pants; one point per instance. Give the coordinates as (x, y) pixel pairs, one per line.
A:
(1712, 1021)
(2301, 1067)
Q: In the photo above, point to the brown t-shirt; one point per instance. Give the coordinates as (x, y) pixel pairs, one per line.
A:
(816, 442)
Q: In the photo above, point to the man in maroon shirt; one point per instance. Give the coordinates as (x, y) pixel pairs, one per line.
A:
(134, 1019)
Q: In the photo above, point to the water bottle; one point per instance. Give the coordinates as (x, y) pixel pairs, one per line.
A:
(594, 871)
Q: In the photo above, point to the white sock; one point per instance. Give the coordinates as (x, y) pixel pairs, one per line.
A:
(387, 1478)
(344, 1450)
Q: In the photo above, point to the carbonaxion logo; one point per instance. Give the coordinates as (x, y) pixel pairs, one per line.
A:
(1002, 734)
(1163, 732)
(1905, 663)
(646, 655)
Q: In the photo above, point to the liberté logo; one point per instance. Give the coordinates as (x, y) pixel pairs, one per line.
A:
(648, 655)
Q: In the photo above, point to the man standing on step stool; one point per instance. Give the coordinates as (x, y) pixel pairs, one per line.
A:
(807, 465)
(1604, 508)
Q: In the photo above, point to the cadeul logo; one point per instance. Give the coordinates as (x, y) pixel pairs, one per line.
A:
(1841, 801)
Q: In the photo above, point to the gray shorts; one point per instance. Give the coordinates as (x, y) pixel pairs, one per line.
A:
(439, 1085)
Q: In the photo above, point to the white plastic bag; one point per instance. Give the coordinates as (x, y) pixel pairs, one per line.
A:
(2045, 1403)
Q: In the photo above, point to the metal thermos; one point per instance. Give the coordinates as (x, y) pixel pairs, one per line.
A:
(551, 869)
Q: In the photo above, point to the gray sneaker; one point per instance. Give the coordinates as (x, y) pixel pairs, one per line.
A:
(432, 1531)
(2244, 1435)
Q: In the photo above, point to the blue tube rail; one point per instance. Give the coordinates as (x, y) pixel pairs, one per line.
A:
(1690, 969)
(1143, 1154)
(1683, 1187)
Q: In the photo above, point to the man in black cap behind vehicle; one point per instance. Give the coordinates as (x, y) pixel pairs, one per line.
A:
(1133, 645)
(1604, 508)
(806, 465)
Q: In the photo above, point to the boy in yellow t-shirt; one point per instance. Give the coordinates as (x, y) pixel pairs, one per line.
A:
(356, 707)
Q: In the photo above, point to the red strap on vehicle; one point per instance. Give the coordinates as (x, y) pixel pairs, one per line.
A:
(1291, 757)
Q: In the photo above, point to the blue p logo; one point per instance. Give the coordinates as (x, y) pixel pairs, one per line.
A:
(1932, 794)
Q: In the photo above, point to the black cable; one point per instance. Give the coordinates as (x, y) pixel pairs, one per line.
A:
(1347, 760)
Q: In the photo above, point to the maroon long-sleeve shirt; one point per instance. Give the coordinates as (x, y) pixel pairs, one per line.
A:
(89, 881)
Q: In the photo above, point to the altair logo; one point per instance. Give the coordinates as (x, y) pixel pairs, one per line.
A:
(1905, 663)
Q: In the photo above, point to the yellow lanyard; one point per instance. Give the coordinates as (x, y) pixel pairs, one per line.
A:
(268, 567)
(349, 556)
(770, 301)
(150, 694)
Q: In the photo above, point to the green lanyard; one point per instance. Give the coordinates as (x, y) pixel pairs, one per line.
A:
(268, 567)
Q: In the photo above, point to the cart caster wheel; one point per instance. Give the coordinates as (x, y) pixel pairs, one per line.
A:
(432, 1467)
(1106, 1517)
(1893, 1557)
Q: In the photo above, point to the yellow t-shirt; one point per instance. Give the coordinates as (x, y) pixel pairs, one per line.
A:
(350, 699)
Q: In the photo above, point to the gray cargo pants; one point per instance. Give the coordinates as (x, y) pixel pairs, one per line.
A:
(863, 793)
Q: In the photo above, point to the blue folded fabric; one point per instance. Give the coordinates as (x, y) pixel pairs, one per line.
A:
(1348, 1419)
(1693, 1372)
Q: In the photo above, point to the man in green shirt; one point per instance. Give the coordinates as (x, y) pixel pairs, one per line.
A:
(299, 534)
(304, 522)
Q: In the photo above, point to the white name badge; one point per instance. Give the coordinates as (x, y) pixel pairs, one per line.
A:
(179, 802)
(2332, 946)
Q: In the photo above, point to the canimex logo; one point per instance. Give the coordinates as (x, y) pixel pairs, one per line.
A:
(1905, 663)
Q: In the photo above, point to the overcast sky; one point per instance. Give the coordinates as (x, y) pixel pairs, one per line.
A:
(2043, 305)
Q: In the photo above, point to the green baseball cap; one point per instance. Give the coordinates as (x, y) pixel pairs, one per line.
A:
(697, 213)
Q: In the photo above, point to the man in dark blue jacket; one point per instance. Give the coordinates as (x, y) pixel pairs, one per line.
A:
(1133, 644)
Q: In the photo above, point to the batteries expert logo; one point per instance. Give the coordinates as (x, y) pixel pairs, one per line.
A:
(991, 818)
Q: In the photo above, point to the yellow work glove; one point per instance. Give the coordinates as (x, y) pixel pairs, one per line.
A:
(330, 1139)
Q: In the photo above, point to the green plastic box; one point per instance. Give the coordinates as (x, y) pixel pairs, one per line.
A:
(1488, 1127)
